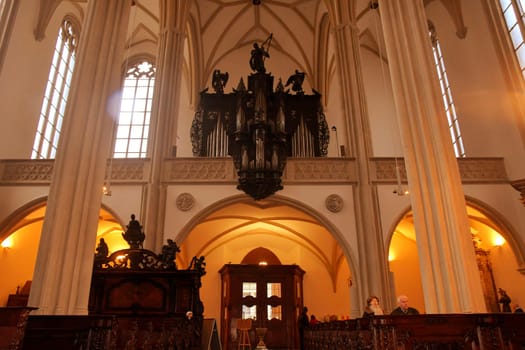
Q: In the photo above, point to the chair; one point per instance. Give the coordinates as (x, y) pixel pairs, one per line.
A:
(243, 327)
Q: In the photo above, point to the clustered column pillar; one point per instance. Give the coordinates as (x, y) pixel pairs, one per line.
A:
(372, 269)
(173, 18)
(449, 272)
(64, 264)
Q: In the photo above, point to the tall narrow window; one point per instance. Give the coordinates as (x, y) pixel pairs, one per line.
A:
(514, 15)
(56, 94)
(450, 109)
(135, 110)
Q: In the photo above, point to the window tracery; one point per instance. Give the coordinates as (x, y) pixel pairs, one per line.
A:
(56, 93)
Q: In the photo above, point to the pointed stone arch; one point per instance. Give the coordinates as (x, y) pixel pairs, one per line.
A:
(16, 220)
(261, 254)
(504, 227)
(489, 217)
(332, 257)
(314, 214)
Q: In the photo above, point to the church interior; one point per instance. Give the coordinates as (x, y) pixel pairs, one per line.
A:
(331, 150)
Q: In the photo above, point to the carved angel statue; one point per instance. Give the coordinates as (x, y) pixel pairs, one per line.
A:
(102, 249)
(219, 81)
(198, 264)
(259, 54)
(169, 252)
(101, 253)
(296, 80)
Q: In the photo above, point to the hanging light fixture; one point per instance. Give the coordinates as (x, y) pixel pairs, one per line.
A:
(399, 190)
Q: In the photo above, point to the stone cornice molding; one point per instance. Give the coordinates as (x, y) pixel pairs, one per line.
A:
(221, 170)
(472, 170)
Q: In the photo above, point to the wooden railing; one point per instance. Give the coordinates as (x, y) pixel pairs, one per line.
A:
(70, 332)
(13, 321)
(499, 331)
(103, 332)
(434, 331)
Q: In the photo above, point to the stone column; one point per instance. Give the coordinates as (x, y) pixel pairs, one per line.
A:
(64, 264)
(451, 281)
(166, 101)
(373, 276)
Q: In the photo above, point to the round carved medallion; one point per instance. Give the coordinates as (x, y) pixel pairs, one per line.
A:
(334, 203)
(185, 201)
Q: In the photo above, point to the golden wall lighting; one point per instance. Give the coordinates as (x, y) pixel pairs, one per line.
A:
(498, 240)
(8, 242)
(391, 256)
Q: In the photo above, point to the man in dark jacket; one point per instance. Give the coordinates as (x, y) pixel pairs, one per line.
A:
(403, 308)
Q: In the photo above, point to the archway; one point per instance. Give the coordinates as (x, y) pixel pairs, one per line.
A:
(20, 237)
(228, 230)
(499, 256)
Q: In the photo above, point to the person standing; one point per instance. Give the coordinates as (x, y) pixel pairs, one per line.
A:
(403, 308)
(303, 323)
(504, 300)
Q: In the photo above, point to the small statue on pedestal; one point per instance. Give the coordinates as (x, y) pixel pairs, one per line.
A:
(219, 81)
(101, 252)
(258, 54)
(134, 235)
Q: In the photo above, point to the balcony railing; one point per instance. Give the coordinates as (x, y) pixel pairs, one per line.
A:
(432, 331)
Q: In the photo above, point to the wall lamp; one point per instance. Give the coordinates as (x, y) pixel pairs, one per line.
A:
(7, 243)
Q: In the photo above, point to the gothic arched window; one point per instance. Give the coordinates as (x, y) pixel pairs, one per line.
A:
(56, 94)
(514, 16)
(131, 140)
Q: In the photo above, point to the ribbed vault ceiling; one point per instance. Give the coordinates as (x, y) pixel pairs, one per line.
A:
(252, 224)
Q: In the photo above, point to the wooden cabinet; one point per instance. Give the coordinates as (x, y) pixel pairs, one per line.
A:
(271, 295)
(162, 293)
